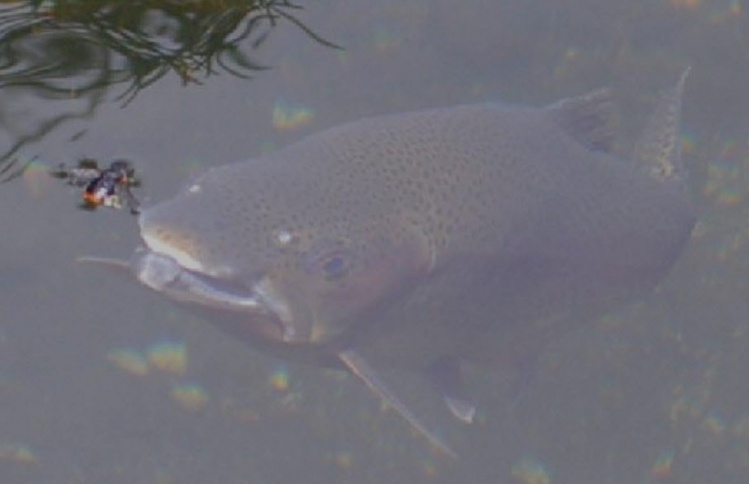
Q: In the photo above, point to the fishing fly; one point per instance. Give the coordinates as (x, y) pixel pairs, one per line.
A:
(108, 187)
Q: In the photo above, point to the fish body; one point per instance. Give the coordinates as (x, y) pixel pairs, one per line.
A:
(425, 239)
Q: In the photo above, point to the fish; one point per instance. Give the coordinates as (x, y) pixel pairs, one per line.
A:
(427, 240)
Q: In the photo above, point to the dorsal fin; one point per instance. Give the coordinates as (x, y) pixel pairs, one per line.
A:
(587, 118)
(658, 151)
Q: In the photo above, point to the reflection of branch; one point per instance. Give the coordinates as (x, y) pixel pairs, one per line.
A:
(155, 37)
(149, 37)
(14, 168)
(311, 33)
(8, 158)
(77, 48)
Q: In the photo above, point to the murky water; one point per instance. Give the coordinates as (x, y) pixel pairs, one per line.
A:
(101, 381)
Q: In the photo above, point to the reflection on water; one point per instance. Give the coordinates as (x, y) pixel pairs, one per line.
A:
(73, 51)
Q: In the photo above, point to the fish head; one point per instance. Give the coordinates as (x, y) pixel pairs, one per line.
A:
(298, 269)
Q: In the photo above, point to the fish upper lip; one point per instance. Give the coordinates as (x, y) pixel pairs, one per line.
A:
(155, 242)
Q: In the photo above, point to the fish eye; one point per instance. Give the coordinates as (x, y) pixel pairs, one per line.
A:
(335, 267)
(332, 265)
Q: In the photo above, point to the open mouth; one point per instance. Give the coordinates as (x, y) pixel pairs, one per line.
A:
(164, 274)
(269, 313)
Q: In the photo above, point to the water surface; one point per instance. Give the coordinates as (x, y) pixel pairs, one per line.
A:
(101, 381)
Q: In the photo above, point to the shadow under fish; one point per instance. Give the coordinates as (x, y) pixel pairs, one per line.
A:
(423, 240)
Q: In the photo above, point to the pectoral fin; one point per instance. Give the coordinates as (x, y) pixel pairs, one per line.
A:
(359, 367)
(447, 380)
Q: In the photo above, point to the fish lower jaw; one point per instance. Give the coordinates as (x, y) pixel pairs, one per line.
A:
(277, 321)
(270, 298)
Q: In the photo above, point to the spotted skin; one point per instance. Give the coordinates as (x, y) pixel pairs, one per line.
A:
(477, 232)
